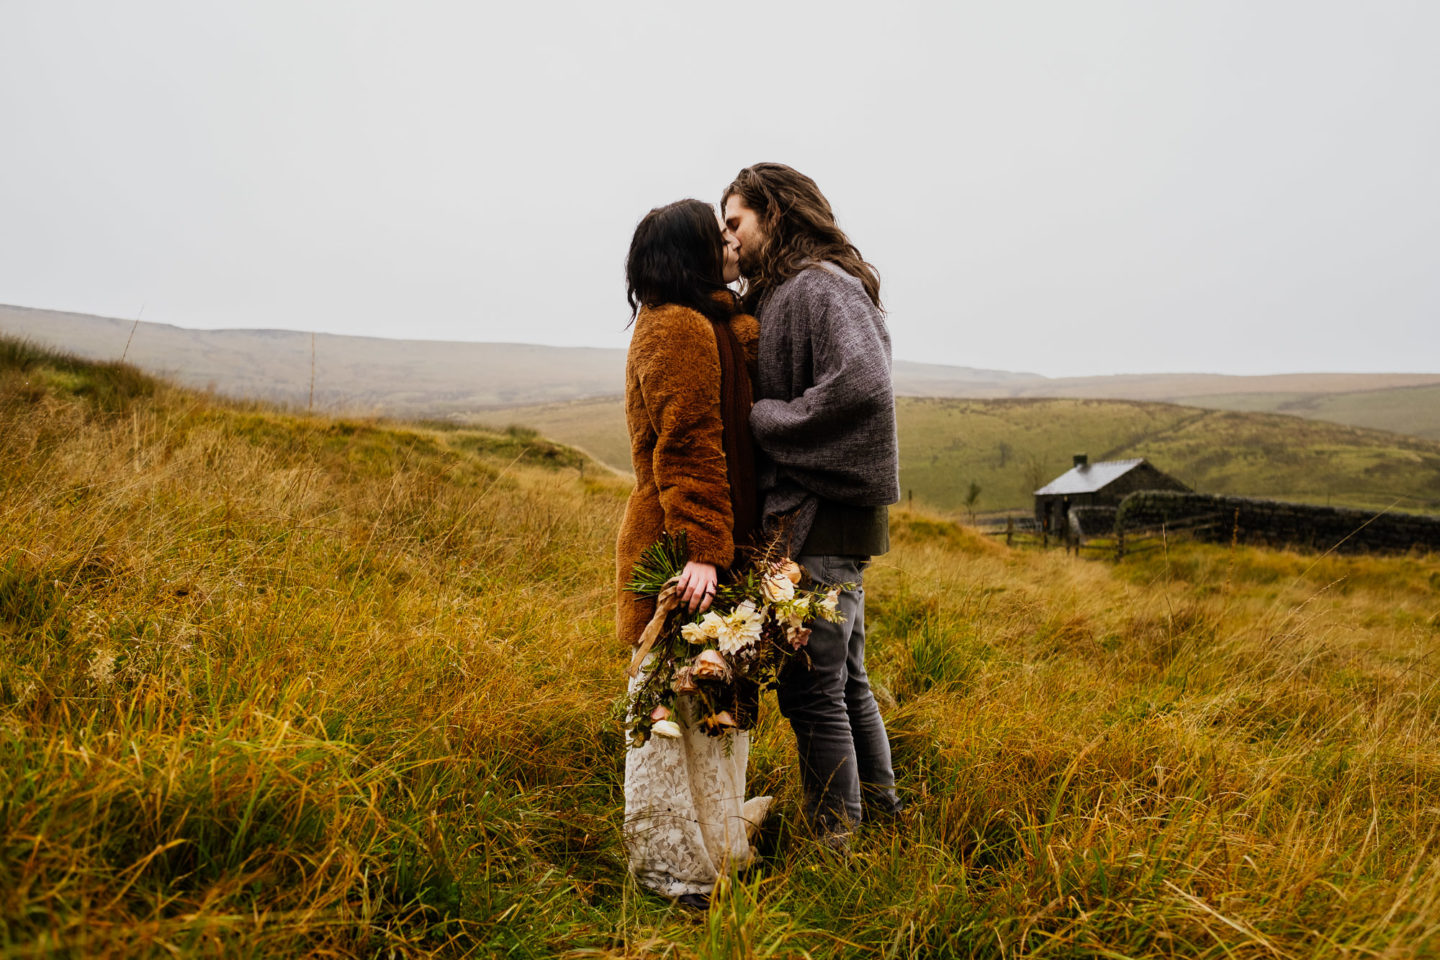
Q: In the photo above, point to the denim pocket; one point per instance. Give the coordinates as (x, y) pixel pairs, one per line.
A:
(832, 569)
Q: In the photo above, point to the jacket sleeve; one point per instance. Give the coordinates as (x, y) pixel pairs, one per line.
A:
(679, 375)
(851, 357)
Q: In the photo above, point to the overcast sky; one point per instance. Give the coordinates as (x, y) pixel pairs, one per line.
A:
(1061, 187)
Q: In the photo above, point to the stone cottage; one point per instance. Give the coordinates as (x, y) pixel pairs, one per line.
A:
(1102, 484)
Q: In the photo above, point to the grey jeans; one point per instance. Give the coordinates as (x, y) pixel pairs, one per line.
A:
(844, 751)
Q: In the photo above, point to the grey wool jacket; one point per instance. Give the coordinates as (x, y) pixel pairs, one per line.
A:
(824, 414)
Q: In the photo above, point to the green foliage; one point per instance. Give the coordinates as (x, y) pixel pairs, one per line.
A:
(658, 564)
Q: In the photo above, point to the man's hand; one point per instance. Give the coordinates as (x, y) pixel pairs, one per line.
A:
(696, 586)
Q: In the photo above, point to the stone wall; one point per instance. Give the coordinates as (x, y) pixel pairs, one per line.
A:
(1276, 523)
(1094, 521)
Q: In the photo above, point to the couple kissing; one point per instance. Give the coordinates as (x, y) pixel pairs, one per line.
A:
(762, 425)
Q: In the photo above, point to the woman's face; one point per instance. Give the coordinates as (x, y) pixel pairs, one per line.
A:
(730, 270)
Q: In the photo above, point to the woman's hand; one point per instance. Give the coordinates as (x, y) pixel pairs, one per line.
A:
(696, 586)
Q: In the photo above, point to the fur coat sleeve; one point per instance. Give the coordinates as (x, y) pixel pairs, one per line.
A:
(675, 370)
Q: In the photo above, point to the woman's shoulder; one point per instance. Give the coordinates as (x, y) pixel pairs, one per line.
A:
(670, 328)
(671, 320)
(669, 315)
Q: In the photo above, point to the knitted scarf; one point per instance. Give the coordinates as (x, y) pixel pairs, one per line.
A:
(736, 397)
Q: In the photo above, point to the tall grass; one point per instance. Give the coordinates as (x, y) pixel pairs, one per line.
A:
(274, 685)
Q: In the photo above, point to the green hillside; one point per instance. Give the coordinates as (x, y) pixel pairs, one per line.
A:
(281, 686)
(1011, 447)
(595, 426)
(1412, 410)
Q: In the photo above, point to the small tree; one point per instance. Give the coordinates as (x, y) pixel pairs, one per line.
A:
(972, 496)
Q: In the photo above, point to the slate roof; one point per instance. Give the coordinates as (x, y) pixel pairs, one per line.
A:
(1089, 478)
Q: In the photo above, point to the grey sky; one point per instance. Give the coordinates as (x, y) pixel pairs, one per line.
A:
(1062, 187)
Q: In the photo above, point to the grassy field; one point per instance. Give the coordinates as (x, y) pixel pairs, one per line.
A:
(595, 426)
(1011, 447)
(277, 686)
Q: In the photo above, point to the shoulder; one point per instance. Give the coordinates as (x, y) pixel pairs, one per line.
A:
(821, 284)
(669, 332)
(670, 321)
(669, 315)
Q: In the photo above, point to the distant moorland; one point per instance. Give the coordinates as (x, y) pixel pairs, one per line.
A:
(417, 378)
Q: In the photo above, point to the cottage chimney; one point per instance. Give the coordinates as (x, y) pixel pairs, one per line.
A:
(1082, 460)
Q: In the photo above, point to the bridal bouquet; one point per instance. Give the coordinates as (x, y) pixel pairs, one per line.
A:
(721, 658)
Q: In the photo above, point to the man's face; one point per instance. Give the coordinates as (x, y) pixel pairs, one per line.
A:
(744, 225)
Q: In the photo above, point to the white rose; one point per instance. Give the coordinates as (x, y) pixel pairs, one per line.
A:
(668, 729)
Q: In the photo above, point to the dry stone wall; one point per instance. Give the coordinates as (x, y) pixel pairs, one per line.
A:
(1277, 523)
(1094, 521)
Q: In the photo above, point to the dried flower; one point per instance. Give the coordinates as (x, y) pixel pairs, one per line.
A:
(777, 588)
(684, 680)
(790, 570)
(720, 721)
(709, 665)
(101, 668)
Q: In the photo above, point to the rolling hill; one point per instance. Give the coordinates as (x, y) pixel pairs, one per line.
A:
(1412, 410)
(414, 378)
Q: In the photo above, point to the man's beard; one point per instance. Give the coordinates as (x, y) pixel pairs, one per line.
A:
(750, 261)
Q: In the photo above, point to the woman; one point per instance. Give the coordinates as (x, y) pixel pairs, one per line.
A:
(687, 406)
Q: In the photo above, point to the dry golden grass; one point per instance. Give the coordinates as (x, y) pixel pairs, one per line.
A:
(285, 686)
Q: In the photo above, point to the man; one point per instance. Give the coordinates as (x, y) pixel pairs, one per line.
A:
(824, 419)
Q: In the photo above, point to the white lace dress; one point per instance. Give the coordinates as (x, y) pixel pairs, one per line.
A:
(685, 809)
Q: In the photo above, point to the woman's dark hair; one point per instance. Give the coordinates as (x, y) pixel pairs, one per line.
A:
(678, 256)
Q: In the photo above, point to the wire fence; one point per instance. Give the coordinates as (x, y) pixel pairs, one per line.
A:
(1118, 541)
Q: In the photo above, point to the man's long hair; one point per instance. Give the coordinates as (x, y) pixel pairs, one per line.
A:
(677, 255)
(799, 227)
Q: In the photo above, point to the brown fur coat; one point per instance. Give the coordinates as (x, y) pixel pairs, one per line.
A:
(672, 409)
